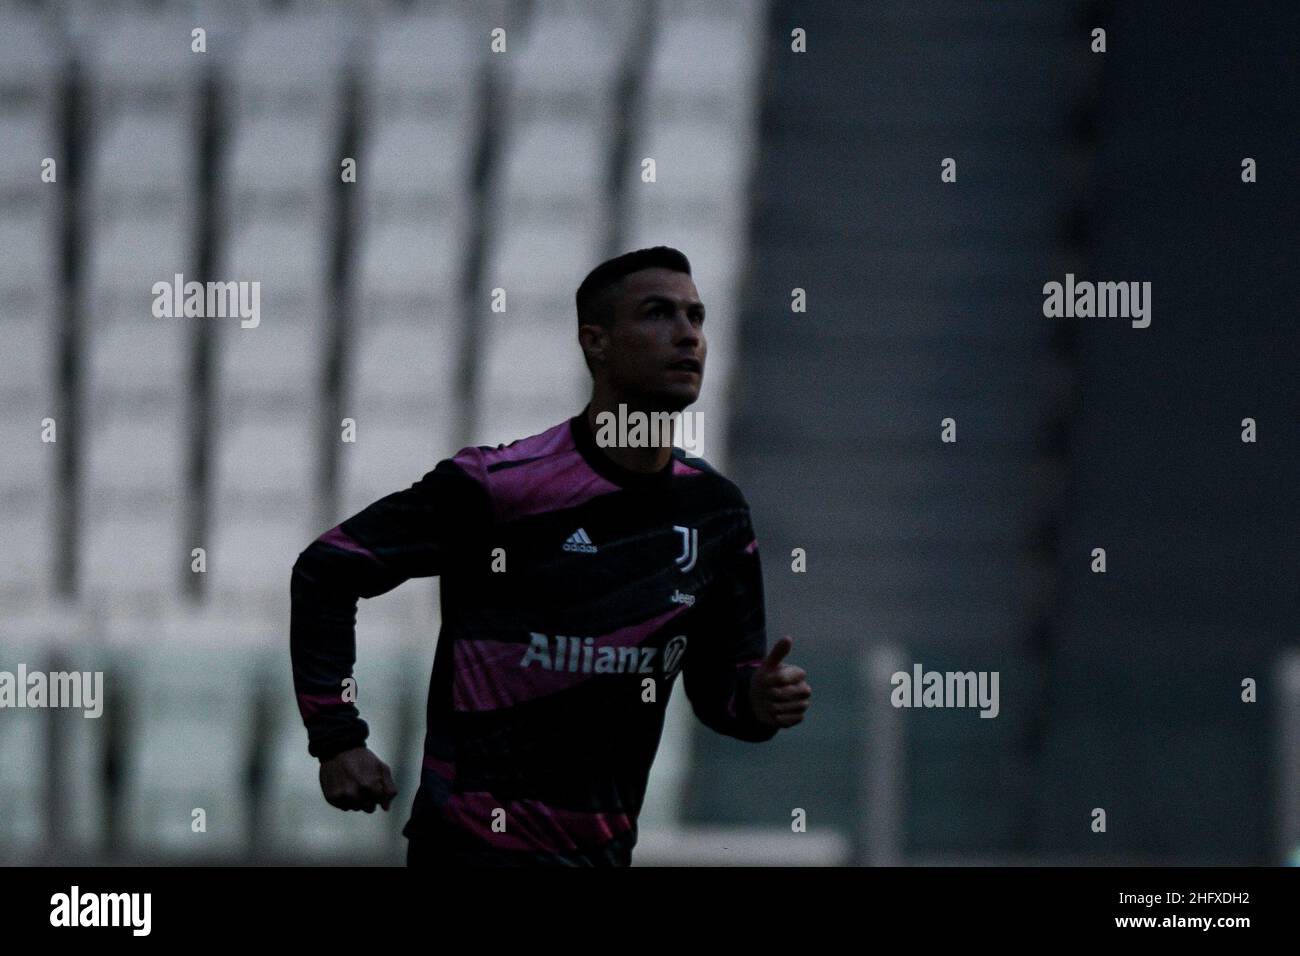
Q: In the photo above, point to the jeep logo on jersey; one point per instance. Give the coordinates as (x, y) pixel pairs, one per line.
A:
(673, 652)
(690, 547)
(579, 655)
(578, 541)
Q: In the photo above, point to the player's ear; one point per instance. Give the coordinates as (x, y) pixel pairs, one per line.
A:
(594, 340)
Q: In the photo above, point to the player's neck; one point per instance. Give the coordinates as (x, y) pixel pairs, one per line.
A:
(649, 459)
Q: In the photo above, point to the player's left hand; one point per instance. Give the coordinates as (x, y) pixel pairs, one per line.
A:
(779, 693)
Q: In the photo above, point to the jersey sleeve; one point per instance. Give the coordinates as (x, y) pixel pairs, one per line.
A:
(717, 678)
(417, 532)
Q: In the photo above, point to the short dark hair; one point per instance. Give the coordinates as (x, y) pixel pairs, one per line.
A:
(595, 306)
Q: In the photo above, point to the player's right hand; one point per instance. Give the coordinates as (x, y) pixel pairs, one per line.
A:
(357, 780)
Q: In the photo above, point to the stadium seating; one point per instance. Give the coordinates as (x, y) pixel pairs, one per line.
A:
(196, 432)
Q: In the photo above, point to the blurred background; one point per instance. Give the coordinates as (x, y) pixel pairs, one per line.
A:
(515, 160)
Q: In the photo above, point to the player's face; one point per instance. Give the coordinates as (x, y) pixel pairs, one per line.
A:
(656, 343)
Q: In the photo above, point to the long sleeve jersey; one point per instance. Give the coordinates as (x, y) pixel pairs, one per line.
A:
(574, 592)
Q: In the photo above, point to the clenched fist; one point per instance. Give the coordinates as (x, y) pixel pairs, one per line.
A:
(357, 780)
(779, 693)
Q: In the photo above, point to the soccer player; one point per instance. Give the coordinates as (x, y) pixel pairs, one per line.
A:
(579, 577)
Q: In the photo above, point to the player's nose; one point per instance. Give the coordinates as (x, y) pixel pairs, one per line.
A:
(686, 335)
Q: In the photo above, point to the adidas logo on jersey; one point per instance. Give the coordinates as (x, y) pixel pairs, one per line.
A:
(578, 541)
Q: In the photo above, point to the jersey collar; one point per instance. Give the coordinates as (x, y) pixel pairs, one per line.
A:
(585, 441)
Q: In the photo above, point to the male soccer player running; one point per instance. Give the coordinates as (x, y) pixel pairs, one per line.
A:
(579, 578)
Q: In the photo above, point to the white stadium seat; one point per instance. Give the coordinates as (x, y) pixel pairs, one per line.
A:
(279, 162)
(128, 256)
(290, 65)
(417, 161)
(420, 61)
(268, 460)
(134, 358)
(408, 265)
(288, 259)
(143, 157)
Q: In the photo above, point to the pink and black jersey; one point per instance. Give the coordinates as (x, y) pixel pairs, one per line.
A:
(573, 593)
